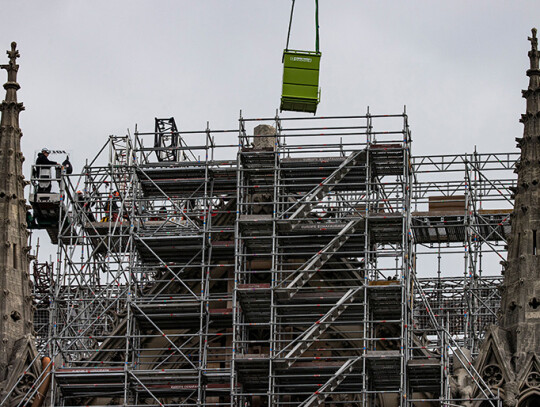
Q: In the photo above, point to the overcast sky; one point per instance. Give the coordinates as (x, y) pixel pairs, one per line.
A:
(93, 68)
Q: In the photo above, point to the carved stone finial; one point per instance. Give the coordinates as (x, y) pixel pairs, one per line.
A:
(11, 86)
(533, 53)
(534, 40)
(14, 54)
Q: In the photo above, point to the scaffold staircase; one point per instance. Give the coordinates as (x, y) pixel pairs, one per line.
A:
(303, 342)
(313, 197)
(314, 264)
(318, 398)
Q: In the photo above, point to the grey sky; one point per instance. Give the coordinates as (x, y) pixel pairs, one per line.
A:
(94, 68)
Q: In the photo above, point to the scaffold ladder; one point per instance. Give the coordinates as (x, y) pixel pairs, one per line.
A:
(318, 398)
(314, 264)
(313, 197)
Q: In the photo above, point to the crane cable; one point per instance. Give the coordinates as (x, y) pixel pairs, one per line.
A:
(316, 26)
(290, 24)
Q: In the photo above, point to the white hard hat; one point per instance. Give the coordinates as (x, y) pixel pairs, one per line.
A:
(45, 150)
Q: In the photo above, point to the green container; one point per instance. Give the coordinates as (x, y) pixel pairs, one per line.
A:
(300, 91)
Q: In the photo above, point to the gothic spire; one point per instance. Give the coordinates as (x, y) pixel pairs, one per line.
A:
(16, 315)
(520, 295)
(516, 339)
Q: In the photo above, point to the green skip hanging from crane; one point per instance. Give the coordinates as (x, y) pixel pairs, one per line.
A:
(300, 92)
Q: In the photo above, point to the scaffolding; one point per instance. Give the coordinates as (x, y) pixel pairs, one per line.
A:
(276, 265)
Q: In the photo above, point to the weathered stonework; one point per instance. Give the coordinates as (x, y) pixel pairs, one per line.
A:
(264, 137)
(16, 314)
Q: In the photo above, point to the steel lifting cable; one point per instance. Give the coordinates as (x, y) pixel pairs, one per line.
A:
(316, 26)
(290, 24)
